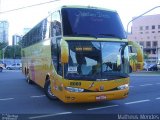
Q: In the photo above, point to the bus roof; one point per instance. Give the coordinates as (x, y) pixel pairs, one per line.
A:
(90, 7)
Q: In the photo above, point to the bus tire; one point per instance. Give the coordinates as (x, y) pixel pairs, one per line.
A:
(47, 90)
(1, 69)
(8, 68)
(29, 81)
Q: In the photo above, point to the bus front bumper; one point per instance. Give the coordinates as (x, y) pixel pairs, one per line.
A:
(72, 97)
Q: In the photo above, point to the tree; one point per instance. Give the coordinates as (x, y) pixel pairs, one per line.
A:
(2, 45)
(146, 56)
(13, 52)
(133, 61)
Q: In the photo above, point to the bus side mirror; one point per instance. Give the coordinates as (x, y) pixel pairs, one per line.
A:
(64, 51)
(139, 49)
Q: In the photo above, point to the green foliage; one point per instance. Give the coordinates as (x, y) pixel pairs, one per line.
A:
(13, 52)
(2, 45)
(1, 54)
(133, 58)
(146, 56)
(133, 61)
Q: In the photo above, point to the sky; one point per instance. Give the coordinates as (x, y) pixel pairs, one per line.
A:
(27, 18)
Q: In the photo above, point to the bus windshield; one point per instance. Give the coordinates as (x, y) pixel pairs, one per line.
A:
(97, 60)
(92, 22)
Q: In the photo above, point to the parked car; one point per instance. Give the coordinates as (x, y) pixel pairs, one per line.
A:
(145, 66)
(15, 66)
(153, 67)
(158, 66)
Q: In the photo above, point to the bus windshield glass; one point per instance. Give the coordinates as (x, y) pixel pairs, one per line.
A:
(97, 60)
(92, 23)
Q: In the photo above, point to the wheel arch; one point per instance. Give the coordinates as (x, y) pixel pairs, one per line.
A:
(47, 77)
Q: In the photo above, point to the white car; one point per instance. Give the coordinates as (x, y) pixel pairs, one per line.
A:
(158, 66)
(15, 66)
(145, 66)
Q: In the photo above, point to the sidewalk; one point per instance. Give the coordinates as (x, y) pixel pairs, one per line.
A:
(145, 73)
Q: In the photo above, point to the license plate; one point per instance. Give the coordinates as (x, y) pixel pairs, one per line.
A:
(102, 97)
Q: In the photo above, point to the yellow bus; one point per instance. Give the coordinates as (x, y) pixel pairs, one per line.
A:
(78, 54)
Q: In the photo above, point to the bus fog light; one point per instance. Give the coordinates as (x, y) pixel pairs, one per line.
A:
(122, 87)
(72, 89)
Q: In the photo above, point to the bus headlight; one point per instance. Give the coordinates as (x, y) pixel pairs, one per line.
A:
(122, 87)
(72, 89)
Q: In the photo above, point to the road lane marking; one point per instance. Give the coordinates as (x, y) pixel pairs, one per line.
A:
(103, 107)
(4, 99)
(50, 115)
(38, 96)
(158, 98)
(146, 85)
(134, 102)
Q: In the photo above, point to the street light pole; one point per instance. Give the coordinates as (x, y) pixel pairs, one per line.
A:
(140, 16)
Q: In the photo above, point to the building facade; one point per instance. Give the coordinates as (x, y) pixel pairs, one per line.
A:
(146, 31)
(4, 26)
(16, 39)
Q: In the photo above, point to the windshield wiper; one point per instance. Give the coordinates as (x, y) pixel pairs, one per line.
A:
(110, 35)
(83, 35)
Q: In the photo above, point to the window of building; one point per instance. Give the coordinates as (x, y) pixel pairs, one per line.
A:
(148, 51)
(158, 31)
(147, 27)
(148, 44)
(141, 28)
(153, 31)
(154, 43)
(141, 32)
(153, 26)
(158, 26)
(154, 51)
(141, 43)
(148, 37)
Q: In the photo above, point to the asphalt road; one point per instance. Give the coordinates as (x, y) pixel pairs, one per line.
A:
(19, 99)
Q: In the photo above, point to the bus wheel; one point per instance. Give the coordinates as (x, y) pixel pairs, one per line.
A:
(47, 90)
(1, 69)
(29, 81)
